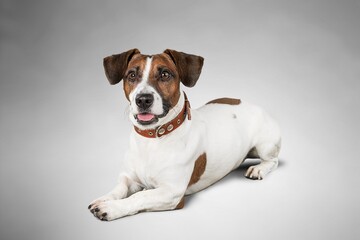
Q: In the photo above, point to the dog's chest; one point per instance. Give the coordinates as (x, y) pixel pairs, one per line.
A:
(154, 163)
(148, 169)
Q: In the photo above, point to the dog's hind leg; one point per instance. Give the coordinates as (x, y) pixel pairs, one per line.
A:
(268, 153)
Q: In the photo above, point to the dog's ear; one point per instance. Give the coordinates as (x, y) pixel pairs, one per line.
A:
(115, 65)
(189, 66)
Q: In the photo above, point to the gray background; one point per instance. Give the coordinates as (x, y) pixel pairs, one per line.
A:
(63, 128)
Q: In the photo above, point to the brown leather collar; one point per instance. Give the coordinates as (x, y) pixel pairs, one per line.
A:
(167, 127)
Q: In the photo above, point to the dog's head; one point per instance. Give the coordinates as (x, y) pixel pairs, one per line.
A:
(152, 82)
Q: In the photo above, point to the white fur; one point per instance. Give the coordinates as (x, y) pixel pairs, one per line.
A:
(163, 166)
(147, 69)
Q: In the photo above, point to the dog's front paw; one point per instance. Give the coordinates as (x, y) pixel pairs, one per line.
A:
(103, 210)
(99, 200)
(109, 210)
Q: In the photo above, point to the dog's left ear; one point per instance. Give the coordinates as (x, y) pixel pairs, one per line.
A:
(115, 65)
(189, 66)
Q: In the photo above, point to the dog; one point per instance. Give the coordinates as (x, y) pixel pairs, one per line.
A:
(175, 150)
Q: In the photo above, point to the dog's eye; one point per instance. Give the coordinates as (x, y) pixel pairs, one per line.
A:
(132, 76)
(165, 75)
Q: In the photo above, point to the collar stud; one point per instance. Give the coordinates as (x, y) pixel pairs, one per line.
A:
(170, 127)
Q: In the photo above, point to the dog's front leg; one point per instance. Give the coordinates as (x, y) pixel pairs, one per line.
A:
(124, 188)
(159, 199)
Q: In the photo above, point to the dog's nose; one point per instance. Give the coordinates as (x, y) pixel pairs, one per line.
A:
(144, 101)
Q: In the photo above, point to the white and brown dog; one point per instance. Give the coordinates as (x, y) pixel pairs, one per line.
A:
(174, 150)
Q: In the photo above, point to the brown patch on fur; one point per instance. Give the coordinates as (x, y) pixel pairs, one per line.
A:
(199, 169)
(181, 203)
(230, 101)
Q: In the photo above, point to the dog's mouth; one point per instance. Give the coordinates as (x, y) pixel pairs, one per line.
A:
(146, 118)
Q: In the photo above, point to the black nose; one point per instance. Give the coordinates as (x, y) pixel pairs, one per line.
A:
(144, 101)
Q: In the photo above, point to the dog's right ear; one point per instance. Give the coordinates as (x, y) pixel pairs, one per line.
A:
(115, 65)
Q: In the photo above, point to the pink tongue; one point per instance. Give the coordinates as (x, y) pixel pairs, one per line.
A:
(145, 117)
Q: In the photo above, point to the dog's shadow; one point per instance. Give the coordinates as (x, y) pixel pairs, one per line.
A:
(238, 174)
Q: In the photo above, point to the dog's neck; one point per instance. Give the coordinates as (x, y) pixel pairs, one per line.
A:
(176, 116)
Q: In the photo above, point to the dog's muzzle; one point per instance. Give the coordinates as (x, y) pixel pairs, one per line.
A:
(144, 103)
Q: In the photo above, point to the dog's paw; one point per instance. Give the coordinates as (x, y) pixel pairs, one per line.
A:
(103, 210)
(99, 200)
(258, 172)
(255, 172)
